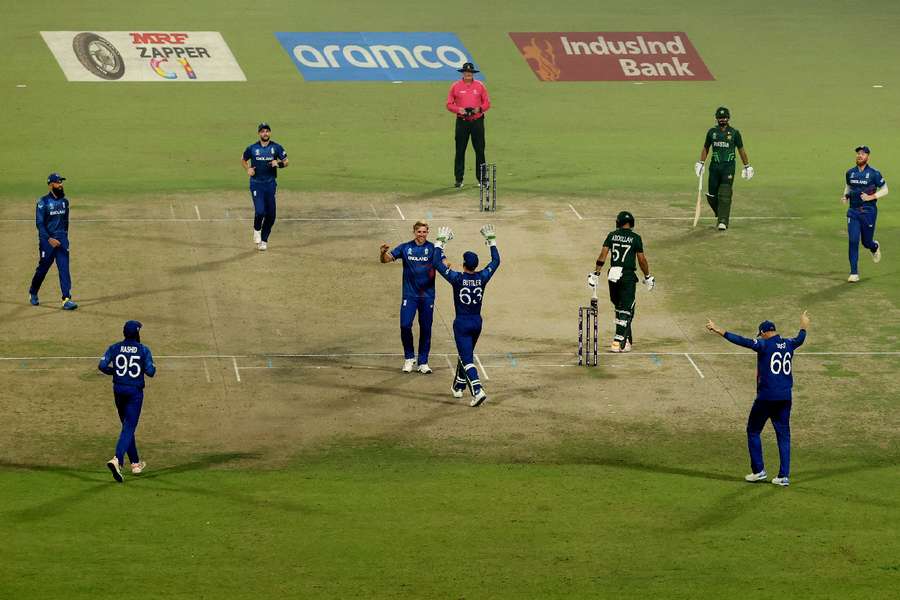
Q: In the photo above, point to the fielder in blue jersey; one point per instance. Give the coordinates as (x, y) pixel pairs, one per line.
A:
(774, 382)
(128, 361)
(468, 295)
(418, 294)
(262, 161)
(864, 185)
(52, 221)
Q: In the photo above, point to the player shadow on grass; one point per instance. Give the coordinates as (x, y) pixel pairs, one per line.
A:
(128, 295)
(212, 265)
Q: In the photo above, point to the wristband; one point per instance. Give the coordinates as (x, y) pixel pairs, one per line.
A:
(280, 164)
(599, 265)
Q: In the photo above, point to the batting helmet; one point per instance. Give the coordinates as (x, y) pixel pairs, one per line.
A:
(723, 113)
(624, 217)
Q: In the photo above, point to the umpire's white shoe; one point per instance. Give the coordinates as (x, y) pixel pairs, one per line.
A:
(456, 393)
(479, 398)
(854, 277)
(138, 467)
(876, 256)
(257, 236)
(113, 466)
(722, 226)
(424, 369)
(754, 477)
(782, 481)
(408, 365)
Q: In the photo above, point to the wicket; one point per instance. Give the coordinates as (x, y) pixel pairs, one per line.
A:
(586, 315)
(487, 175)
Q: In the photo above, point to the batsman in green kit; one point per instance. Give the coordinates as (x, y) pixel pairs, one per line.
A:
(626, 250)
(722, 141)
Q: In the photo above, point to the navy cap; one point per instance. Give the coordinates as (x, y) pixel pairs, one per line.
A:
(131, 329)
(864, 149)
(55, 178)
(468, 68)
(766, 326)
(262, 126)
(470, 260)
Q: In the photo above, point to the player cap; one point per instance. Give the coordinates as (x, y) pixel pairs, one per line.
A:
(766, 326)
(864, 149)
(262, 126)
(131, 329)
(470, 260)
(55, 178)
(468, 68)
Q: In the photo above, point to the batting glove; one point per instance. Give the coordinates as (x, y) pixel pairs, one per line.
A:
(445, 234)
(747, 172)
(698, 168)
(592, 280)
(650, 282)
(490, 237)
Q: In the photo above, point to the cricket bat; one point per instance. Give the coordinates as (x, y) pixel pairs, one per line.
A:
(699, 199)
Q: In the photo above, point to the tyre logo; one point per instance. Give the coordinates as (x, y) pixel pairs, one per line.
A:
(98, 56)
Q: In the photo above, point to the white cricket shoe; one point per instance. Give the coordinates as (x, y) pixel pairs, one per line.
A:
(257, 236)
(479, 398)
(425, 369)
(722, 226)
(754, 477)
(262, 246)
(876, 256)
(456, 393)
(615, 347)
(853, 278)
(627, 347)
(138, 467)
(113, 466)
(408, 365)
(782, 481)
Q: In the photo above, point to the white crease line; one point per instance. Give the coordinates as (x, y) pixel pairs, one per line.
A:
(447, 358)
(374, 212)
(206, 370)
(172, 210)
(589, 218)
(197, 210)
(580, 218)
(481, 366)
(402, 218)
(693, 364)
(237, 372)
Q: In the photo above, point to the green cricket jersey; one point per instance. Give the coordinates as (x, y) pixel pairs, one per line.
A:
(623, 245)
(723, 142)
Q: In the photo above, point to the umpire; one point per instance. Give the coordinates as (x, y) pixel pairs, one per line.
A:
(468, 100)
(52, 221)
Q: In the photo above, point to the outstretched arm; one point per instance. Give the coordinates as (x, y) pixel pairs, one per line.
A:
(732, 337)
(443, 267)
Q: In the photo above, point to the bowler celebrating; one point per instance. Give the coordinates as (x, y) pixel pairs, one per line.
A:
(468, 295)
(52, 221)
(774, 381)
(864, 186)
(418, 294)
(127, 361)
(262, 161)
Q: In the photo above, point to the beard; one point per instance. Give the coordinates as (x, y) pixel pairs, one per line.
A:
(264, 138)
(59, 192)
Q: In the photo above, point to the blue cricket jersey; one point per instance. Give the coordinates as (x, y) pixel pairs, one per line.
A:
(128, 361)
(468, 288)
(868, 180)
(52, 218)
(418, 272)
(260, 156)
(774, 363)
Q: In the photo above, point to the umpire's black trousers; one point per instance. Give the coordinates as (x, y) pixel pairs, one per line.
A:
(465, 129)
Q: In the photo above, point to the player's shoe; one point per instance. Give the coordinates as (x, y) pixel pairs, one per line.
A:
(262, 246)
(408, 365)
(456, 393)
(138, 467)
(627, 347)
(782, 481)
(68, 304)
(615, 347)
(876, 256)
(458, 185)
(479, 398)
(754, 477)
(257, 237)
(854, 277)
(722, 226)
(113, 466)
(33, 298)
(424, 369)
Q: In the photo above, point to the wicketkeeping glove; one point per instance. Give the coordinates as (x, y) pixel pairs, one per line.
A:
(698, 168)
(747, 172)
(490, 237)
(445, 234)
(592, 280)
(650, 282)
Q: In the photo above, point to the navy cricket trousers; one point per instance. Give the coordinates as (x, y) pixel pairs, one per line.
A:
(49, 255)
(263, 195)
(129, 401)
(465, 332)
(861, 227)
(779, 411)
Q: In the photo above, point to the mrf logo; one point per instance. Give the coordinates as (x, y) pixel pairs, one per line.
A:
(376, 56)
(611, 56)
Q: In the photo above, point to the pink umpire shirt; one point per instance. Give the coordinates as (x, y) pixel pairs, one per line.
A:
(468, 95)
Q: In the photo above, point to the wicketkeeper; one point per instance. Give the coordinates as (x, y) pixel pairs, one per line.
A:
(724, 140)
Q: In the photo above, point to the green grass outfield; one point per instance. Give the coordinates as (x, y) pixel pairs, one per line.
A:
(650, 512)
